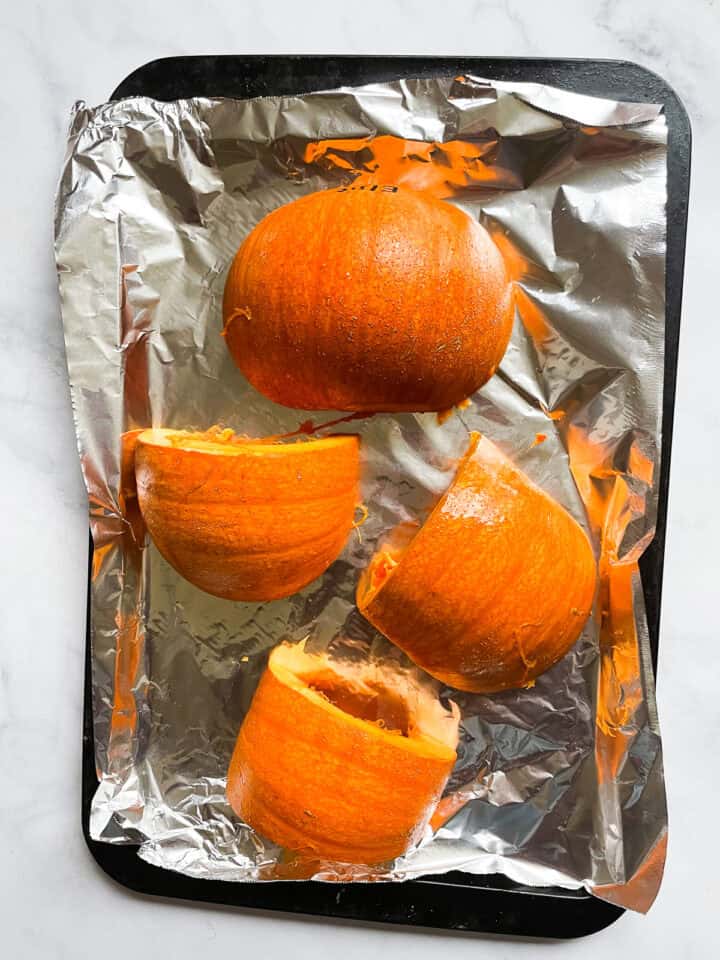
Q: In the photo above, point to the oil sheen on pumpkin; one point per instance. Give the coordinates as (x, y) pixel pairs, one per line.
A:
(368, 299)
(247, 519)
(341, 761)
(493, 589)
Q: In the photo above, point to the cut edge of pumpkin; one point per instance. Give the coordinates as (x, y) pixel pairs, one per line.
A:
(226, 442)
(383, 699)
(387, 558)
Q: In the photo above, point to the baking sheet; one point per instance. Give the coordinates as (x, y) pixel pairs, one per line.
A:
(558, 784)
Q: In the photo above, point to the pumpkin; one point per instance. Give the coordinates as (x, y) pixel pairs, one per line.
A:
(340, 760)
(368, 299)
(493, 589)
(127, 494)
(246, 519)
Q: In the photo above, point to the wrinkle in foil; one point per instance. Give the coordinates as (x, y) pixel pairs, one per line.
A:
(557, 784)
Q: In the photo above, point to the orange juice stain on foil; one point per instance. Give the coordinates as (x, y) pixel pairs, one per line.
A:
(436, 168)
(532, 317)
(127, 660)
(613, 503)
(128, 624)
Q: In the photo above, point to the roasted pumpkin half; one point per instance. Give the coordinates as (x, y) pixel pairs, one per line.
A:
(368, 299)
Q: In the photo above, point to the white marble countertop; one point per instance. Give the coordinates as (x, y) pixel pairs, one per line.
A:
(54, 901)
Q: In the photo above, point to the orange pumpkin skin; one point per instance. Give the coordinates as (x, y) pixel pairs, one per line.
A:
(247, 520)
(368, 300)
(313, 777)
(495, 587)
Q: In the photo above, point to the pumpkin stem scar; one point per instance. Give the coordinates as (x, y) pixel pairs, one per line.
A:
(236, 314)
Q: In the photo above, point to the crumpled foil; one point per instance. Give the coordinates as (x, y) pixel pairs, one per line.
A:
(558, 784)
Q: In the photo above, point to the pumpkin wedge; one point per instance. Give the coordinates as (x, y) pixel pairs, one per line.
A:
(493, 589)
(368, 299)
(339, 760)
(246, 519)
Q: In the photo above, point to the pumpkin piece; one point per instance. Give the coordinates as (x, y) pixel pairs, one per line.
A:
(247, 519)
(339, 760)
(127, 494)
(368, 299)
(493, 589)
(128, 440)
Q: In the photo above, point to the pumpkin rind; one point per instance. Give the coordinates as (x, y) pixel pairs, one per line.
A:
(368, 300)
(494, 588)
(247, 520)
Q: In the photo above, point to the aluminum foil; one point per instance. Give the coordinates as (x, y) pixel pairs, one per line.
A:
(558, 784)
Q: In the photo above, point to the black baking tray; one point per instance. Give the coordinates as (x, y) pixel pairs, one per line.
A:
(455, 901)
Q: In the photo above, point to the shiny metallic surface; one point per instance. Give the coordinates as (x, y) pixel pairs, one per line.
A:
(560, 783)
